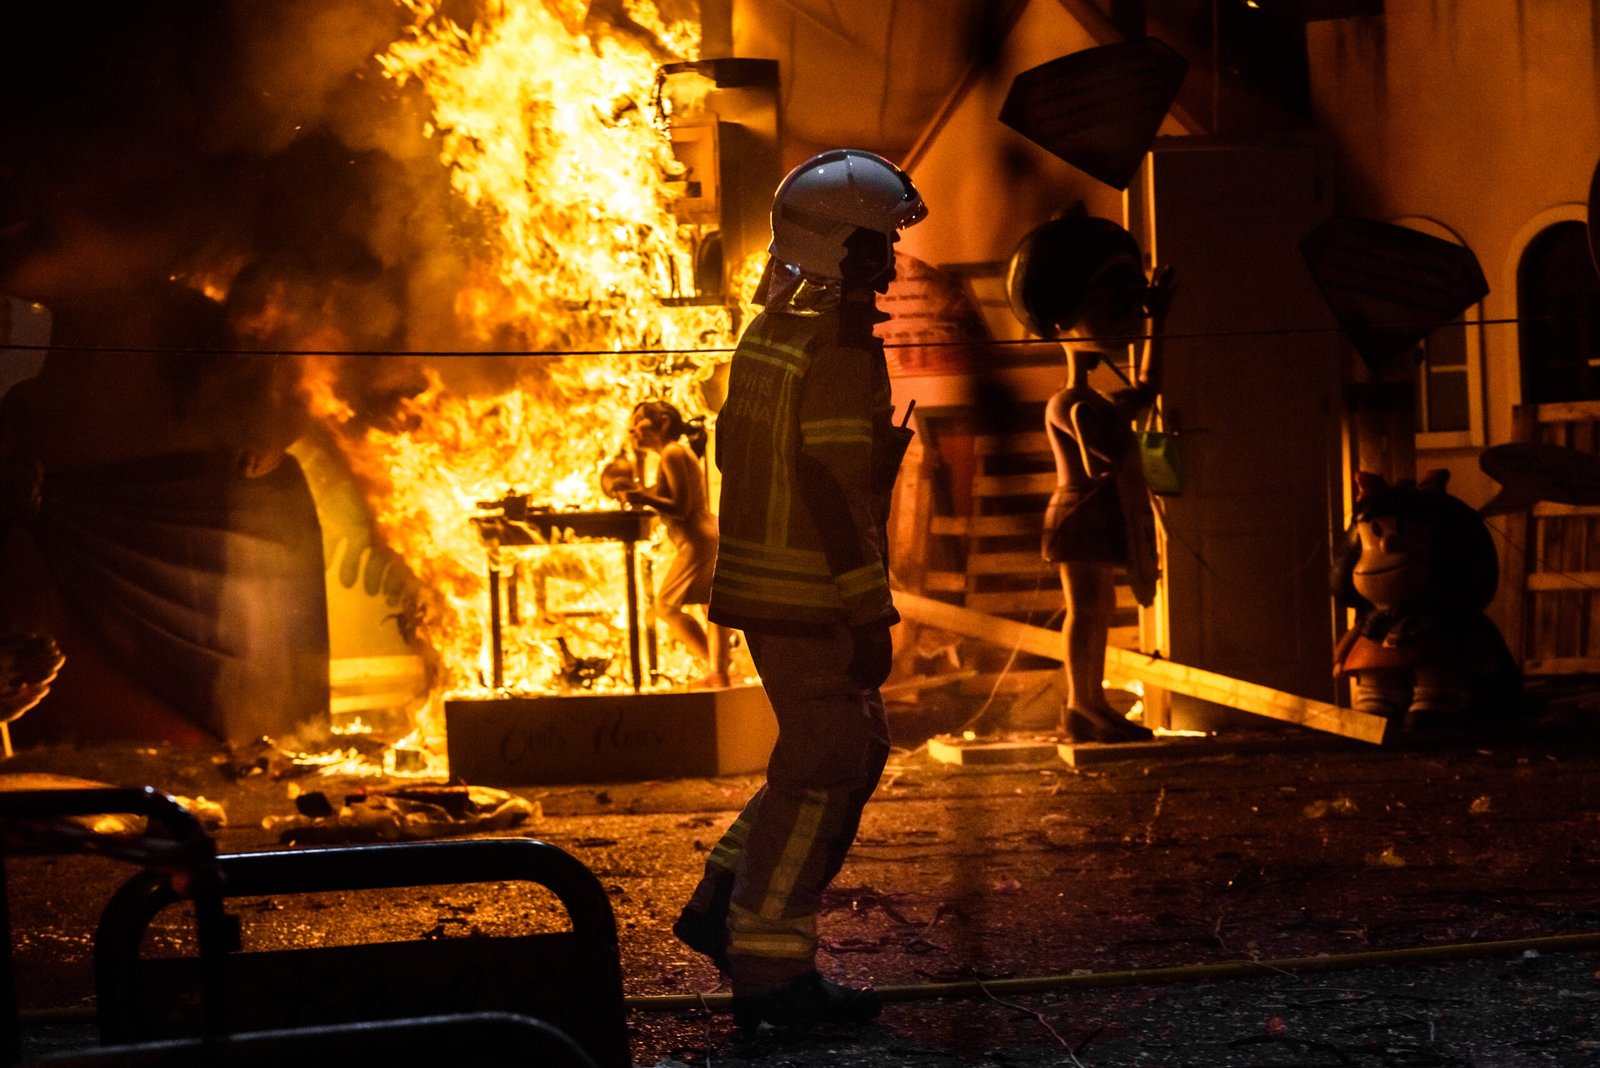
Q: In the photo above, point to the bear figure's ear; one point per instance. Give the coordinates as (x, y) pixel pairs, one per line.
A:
(1434, 481)
(1367, 484)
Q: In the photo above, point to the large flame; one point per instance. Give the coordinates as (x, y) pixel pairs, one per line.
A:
(541, 113)
(549, 137)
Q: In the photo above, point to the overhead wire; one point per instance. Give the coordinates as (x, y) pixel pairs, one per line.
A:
(715, 350)
(963, 344)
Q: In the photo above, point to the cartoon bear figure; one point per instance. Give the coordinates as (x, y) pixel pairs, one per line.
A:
(1419, 567)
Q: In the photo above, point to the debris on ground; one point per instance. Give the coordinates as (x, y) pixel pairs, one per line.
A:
(401, 813)
(27, 835)
(211, 816)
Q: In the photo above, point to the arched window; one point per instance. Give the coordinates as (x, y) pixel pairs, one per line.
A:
(1558, 303)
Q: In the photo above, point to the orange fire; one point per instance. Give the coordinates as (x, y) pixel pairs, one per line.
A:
(542, 116)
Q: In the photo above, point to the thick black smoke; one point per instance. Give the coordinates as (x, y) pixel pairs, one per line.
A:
(249, 148)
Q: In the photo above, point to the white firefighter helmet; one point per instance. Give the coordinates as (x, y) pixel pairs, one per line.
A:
(828, 197)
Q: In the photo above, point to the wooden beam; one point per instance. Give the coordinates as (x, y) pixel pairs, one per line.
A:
(985, 526)
(1582, 581)
(1125, 664)
(1562, 665)
(1041, 483)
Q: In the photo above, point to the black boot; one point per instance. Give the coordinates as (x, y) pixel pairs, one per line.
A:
(806, 1003)
(706, 934)
(705, 929)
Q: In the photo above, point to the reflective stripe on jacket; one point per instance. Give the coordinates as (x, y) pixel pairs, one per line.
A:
(808, 456)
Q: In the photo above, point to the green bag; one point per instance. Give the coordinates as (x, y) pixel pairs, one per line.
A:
(1162, 460)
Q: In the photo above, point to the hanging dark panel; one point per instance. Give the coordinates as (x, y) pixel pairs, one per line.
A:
(1100, 108)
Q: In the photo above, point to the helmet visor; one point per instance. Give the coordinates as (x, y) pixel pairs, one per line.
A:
(911, 210)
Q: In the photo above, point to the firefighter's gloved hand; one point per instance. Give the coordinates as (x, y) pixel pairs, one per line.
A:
(871, 655)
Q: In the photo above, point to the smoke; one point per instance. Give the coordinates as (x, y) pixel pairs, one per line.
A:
(253, 151)
(248, 150)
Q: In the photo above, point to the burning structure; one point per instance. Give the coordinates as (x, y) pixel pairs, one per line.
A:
(437, 255)
(433, 252)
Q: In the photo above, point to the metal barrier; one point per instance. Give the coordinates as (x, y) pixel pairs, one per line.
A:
(182, 860)
(571, 979)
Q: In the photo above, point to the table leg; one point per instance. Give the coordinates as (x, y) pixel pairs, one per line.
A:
(496, 652)
(652, 654)
(628, 556)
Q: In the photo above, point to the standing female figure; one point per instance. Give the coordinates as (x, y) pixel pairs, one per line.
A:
(681, 496)
(1081, 279)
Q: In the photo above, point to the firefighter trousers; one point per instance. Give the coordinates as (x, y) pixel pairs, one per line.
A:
(768, 871)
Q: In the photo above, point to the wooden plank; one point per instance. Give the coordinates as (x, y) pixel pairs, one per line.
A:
(1575, 545)
(1580, 560)
(1025, 564)
(1562, 666)
(1033, 441)
(948, 749)
(1541, 638)
(1246, 696)
(1548, 509)
(349, 670)
(379, 700)
(1124, 664)
(1514, 561)
(1043, 483)
(945, 581)
(1569, 635)
(1546, 609)
(1541, 560)
(1568, 412)
(1582, 581)
(1591, 626)
(1012, 602)
(988, 526)
(1182, 747)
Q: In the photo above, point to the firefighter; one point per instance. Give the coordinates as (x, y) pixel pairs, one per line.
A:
(808, 451)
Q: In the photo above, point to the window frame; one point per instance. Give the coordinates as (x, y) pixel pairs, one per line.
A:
(1471, 321)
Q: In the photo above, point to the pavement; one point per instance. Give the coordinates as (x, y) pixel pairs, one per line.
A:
(1223, 902)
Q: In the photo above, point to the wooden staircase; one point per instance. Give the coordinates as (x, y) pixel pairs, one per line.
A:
(986, 537)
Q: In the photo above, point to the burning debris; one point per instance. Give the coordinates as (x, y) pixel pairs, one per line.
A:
(354, 753)
(401, 814)
(580, 670)
(447, 237)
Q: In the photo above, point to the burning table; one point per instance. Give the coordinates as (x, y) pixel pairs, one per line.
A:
(517, 524)
(586, 735)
